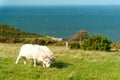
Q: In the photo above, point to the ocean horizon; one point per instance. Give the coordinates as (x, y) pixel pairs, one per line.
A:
(64, 21)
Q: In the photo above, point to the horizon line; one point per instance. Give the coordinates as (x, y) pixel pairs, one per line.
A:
(62, 5)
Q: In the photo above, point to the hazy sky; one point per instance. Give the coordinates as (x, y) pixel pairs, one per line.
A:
(59, 2)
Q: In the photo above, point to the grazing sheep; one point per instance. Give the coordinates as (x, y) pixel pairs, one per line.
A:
(29, 51)
(48, 52)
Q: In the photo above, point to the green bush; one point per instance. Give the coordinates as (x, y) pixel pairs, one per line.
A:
(74, 45)
(96, 42)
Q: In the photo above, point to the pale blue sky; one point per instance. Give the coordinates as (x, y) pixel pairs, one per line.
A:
(59, 2)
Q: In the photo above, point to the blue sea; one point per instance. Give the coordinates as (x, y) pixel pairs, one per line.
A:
(64, 21)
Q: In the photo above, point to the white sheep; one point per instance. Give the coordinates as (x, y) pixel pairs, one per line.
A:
(29, 51)
(48, 52)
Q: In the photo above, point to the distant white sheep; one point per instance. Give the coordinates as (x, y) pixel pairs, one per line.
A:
(29, 51)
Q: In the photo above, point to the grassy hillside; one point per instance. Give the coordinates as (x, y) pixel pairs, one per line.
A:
(70, 65)
(10, 31)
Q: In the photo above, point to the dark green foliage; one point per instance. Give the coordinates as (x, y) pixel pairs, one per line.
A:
(74, 45)
(31, 41)
(96, 42)
(22, 40)
(80, 36)
(38, 41)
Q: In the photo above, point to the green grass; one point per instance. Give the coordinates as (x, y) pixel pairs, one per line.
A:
(70, 65)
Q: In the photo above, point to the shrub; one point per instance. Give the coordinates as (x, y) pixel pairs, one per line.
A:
(36, 41)
(40, 41)
(96, 42)
(74, 45)
(80, 36)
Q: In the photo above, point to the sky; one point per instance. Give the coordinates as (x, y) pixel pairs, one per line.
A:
(59, 2)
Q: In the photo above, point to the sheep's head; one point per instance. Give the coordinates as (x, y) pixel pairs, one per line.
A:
(46, 62)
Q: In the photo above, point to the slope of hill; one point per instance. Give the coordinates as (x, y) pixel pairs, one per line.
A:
(10, 31)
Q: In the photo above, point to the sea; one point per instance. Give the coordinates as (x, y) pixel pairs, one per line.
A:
(64, 21)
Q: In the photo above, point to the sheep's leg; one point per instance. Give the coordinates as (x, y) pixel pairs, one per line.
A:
(43, 65)
(35, 62)
(17, 60)
(24, 60)
(31, 61)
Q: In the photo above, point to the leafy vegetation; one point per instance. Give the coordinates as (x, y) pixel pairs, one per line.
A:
(70, 65)
(80, 36)
(74, 45)
(96, 42)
